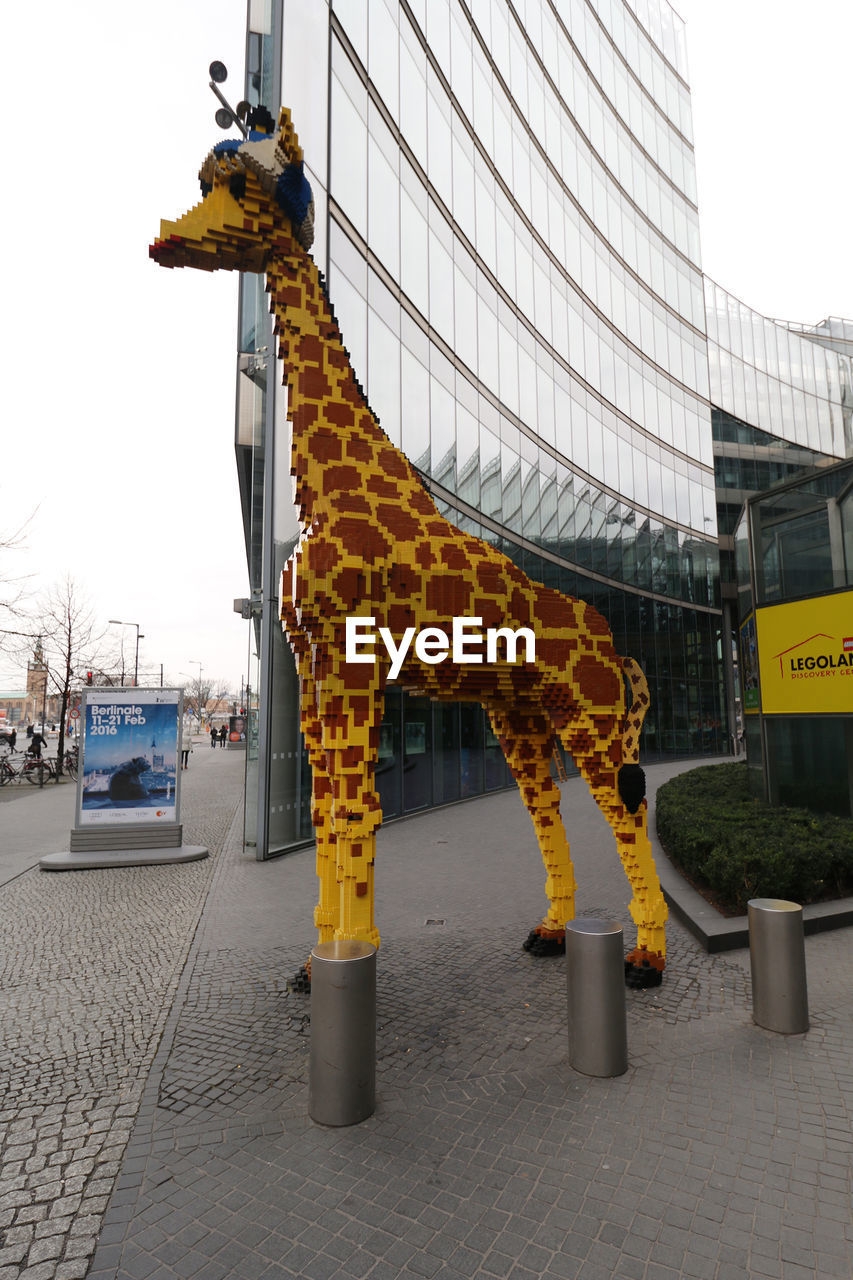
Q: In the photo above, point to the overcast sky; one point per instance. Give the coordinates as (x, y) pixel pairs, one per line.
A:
(119, 375)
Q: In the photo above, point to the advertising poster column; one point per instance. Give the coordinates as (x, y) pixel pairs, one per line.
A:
(130, 739)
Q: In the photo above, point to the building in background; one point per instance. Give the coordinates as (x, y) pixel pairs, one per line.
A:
(506, 215)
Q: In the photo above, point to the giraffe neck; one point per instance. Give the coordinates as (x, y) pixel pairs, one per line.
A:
(337, 442)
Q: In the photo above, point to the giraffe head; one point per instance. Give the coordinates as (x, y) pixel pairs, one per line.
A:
(254, 196)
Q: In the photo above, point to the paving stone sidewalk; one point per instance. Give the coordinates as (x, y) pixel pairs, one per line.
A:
(724, 1152)
(88, 971)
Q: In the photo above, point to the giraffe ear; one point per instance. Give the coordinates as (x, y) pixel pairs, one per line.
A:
(288, 150)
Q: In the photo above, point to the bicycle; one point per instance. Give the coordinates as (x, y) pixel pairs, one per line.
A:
(71, 761)
(34, 769)
(7, 769)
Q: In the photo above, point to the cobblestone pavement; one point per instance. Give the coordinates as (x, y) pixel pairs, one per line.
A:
(88, 972)
(724, 1152)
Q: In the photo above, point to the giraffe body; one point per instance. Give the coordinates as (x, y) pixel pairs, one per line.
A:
(374, 545)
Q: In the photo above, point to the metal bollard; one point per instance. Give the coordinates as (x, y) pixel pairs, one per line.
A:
(342, 1075)
(595, 980)
(777, 956)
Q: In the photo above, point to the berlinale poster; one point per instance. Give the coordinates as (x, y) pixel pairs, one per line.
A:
(129, 772)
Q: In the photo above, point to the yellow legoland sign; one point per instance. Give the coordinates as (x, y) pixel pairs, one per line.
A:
(805, 652)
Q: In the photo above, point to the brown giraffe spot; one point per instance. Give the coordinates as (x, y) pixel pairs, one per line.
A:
(453, 556)
(399, 617)
(491, 613)
(424, 555)
(340, 479)
(361, 450)
(382, 487)
(594, 622)
(446, 594)
(323, 556)
(490, 578)
(422, 502)
(304, 417)
(398, 521)
(554, 610)
(313, 384)
(357, 502)
(340, 414)
(597, 682)
(394, 464)
(403, 581)
(554, 653)
(311, 349)
(350, 586)
(520, 607)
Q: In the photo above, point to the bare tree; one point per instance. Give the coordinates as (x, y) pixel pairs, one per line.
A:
(199, 693)
(71, 641)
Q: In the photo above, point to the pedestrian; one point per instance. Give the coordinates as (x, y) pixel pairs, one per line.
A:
(186, 747)
(223, 737)
(36, 743)
(212, 732)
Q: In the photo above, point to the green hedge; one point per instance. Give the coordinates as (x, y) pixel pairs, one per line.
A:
(740, 848)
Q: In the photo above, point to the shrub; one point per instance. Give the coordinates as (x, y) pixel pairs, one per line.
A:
(739, 848)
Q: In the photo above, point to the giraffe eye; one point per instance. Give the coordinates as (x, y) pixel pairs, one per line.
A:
(206, 187)
(237, 186)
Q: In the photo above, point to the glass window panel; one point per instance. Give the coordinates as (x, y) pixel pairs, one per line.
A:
(349, 158)
(383, 209)
(487, 344)
(486, 237)
(508, 368)
(440, 289)
(442, 435)
(351, 312)
(465, 319)
(413, 102)
(490, 473)
(440, 151)
(415, 410)
(383, 383)
(467, 455)
(384, 63)
(414, 275)
(464, 209)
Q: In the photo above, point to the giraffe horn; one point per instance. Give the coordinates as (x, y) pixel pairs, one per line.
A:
(288, 150)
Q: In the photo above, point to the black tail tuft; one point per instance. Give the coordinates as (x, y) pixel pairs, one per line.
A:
(632, 786)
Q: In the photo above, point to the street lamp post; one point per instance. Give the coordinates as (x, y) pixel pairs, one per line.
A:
(115, 622)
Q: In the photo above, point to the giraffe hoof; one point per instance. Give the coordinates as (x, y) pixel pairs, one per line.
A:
(300, 983)
(545, 942)
(643, 969)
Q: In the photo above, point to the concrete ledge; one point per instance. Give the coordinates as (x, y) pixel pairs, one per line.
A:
(720, 933)
(86, 861)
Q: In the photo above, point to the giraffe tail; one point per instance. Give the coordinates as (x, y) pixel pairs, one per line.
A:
(632, 779)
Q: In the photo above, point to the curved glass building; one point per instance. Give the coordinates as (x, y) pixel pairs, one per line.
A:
(507, 219)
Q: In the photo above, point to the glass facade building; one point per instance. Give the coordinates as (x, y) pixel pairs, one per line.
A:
(506, 216)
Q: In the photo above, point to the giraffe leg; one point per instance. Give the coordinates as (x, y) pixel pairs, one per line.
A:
(627, 817)
(350, 729)
(527, 741)
(327, 909)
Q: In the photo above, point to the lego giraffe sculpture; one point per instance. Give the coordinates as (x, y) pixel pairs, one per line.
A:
(373, 546)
